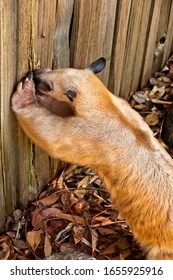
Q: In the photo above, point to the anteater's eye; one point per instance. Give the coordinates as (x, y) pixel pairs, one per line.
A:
(71, 94)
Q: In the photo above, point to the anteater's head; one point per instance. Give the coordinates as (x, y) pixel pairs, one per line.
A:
(80, 88)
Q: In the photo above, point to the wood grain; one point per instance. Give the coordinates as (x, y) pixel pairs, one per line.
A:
(150, 47)
(92, 33)
(62, 34)
(8, 141)
(169, 35)
(132, 39)
(119, 46)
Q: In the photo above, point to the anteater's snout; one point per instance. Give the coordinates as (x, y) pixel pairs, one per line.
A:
(37, 73)
(37, 76)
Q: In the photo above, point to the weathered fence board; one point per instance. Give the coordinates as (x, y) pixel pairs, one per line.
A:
(132, 39)
(150, 47)
(24, 168)
(63, 33)
(141, 44)
(119, 45)
(36, 23)
(9, 163)
(169, 41)
(92, 32)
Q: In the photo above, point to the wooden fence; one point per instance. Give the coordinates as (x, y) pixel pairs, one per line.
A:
(136, 36)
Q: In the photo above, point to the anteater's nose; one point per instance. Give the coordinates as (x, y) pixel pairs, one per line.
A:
(35, 74)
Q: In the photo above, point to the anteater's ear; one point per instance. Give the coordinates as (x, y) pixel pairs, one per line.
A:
(97, 65)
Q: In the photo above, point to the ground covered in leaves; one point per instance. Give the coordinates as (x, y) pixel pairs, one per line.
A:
(75, 212)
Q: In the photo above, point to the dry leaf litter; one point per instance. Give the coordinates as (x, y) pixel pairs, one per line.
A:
(75, 213)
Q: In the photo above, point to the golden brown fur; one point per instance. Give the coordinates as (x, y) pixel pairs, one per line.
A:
(110, 137)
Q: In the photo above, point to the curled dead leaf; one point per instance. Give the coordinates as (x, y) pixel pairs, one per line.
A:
(163, 102)
(36, 218)
(80, 192)
(109, 250)
(94, 239)
(170, 67)
(80, 206)
(20, 244)
(152, 119)
(47, 201)
(140, 107)
(34, 239)
(78, 232)
(17, 214)
(139, 97)
(106, 230)
(4, 251)
(64, 231)
(84, 182)
(157, 92)
(158, 82)
(54, 212)
(165, 79)
(123, 244)
(65, 198)
(47, 246)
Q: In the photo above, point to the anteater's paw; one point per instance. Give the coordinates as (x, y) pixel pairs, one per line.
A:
(24, 95)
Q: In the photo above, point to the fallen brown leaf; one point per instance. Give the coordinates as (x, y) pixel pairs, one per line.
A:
(54, 212)
(105, 230)
(152, 119)
(80, 206)
(47, 246)
(94, 239)
(47, 201)
(4, 251)
(123, 244)
(20, 244)
(78, 232)
(34, 239)
(36, 218)
(139, 97)
(109, 250)
(157, 92)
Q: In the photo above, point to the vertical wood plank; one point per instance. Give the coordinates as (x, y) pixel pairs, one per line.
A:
(162, 33)
(36, 23)
(46, 19)
(150, 48)
(8, 142)
(27, 33)
(4, 211)
(92, 33)
(62, 34)
(141, 44)
(120, 33)
(131, 46)
(169, 41)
